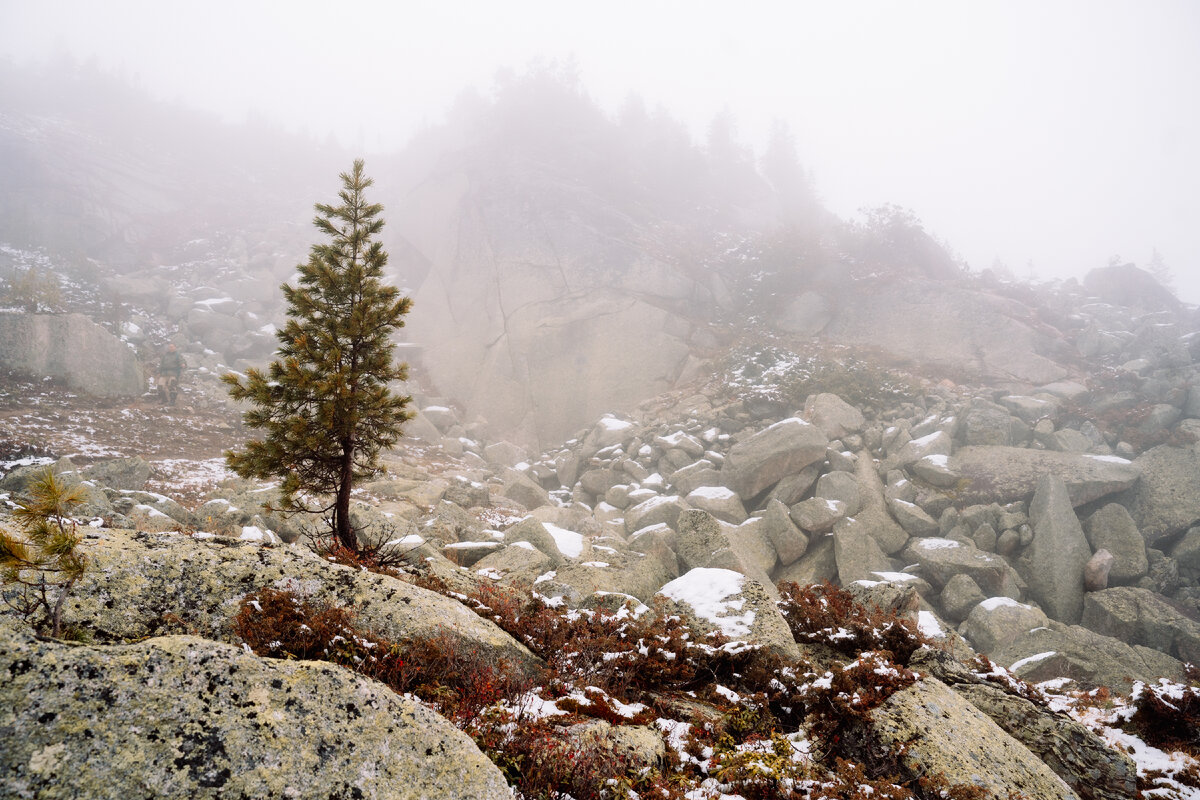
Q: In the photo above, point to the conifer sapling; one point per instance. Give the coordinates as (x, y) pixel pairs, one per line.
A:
(324, 404)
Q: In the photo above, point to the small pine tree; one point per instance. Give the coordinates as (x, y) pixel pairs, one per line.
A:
(34, 290)
(46, 558)
(324, 403)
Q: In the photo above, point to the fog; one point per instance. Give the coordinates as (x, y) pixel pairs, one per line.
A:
(1046, 138)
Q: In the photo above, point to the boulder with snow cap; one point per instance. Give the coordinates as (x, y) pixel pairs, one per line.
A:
(704, 541)
(941, 559)
(1055, 650)
(1006, 474)
(841, 487)
(936, 470)
(721, 502)
(730, 604)
(783, 449)
(536, 533)
(937, 443)
(817, 514)
(998, 621)
(656, 509)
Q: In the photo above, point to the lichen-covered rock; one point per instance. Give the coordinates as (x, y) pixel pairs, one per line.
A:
(136, 582)
(930, 729)
(1081, 758)
(180, 716)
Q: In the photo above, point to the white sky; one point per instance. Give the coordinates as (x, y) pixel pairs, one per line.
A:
(1057, 133)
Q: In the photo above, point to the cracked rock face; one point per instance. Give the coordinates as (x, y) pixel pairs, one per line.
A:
(180, 716)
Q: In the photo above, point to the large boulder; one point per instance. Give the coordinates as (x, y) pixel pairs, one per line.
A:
(728, 603)
(833, 416)
(782, 449)
(857, 553)
(1053, 563)
(993, 474)
(935, 730)
(1127, 285)
(1165, 501)
(1054, 650)
(1139, 616)
(940, 560)
(73, 349)
(136, 582)
(180, 716)
(1111, 528)
(1090, 767)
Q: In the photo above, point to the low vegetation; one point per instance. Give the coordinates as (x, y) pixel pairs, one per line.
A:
(39, 566)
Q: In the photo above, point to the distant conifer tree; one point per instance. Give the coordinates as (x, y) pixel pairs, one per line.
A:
(324, 403)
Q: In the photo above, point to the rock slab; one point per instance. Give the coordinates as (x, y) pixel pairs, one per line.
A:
(181, 716)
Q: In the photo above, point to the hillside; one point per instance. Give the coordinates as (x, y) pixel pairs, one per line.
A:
(711, 494)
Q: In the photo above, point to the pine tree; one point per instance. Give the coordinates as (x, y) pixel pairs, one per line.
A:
(324, 404)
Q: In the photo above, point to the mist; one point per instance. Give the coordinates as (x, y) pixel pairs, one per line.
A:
(1043, 140)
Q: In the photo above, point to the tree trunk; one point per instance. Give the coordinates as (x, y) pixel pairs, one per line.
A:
(341, 509)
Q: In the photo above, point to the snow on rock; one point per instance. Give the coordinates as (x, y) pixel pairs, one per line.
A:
(569, 543)
(711, 594)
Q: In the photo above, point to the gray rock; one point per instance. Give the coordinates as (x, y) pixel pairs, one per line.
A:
(935, 730)
(817, 565)
(793, 488)
(942, 559)
(183, 716)
(722, 503)
(1186, 551)
(832, 415)
(693, 476)
(515, 564)
(788, 540)
(655, 510)
(134, 580)
(598, 481)
(1006, 474)
(782, 449)
(119, 473)
(518, 486)
(937, 471)
(1112, 529)
(816, 514)
(997, 622)
(1054, 562)
(959, 596)
(989, 424)
(937, 443)
(874, 514)
(733, 605)
(841, 487)
(1140, 617)
(1090, 767)
(1165, 502)
(72, 348)
(857, 553)
(913, 518)
(504, 454)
